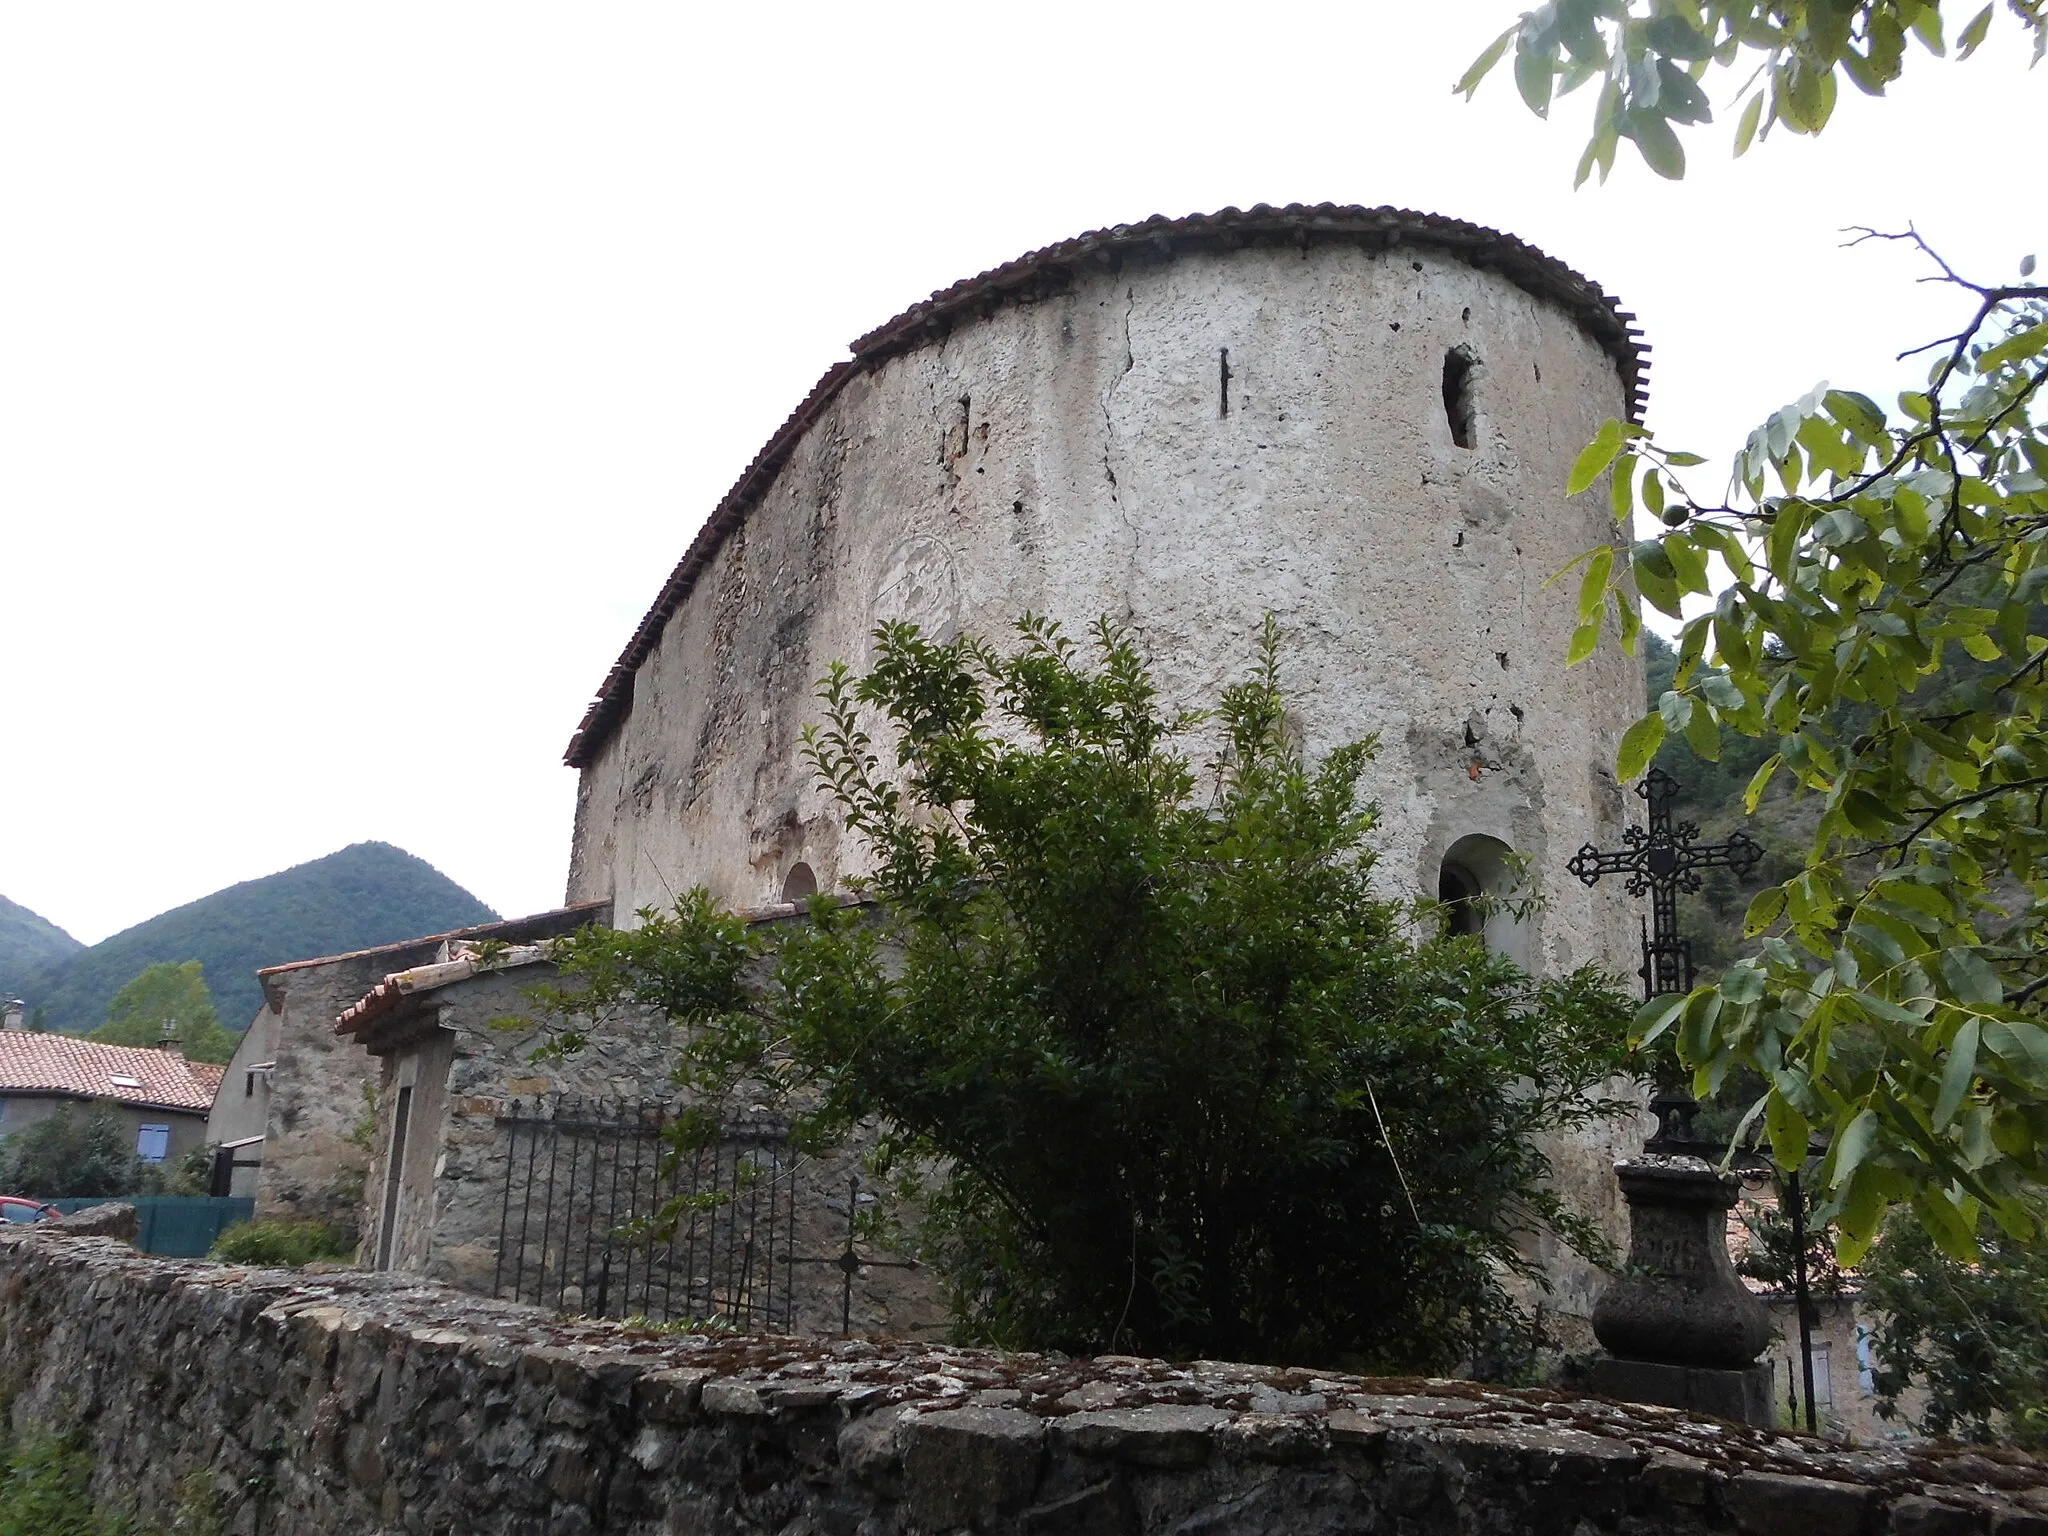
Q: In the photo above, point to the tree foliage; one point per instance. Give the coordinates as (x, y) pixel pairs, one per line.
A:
(1882, 622)
(1974, 1335)
(1179, 1079)
(1651, 59)
(163, 1002)
(66, 1154)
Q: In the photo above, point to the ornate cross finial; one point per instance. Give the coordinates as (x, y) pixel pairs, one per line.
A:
(1662, 859)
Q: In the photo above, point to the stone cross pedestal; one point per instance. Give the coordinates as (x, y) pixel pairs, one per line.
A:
(1678, 1325)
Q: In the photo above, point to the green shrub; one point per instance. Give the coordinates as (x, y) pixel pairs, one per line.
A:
(283, 1244)
(1175, 1078)
(67, 1155)
(45, 1491)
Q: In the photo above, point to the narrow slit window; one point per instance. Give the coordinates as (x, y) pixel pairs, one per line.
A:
(1461, 370)
(401, 1123)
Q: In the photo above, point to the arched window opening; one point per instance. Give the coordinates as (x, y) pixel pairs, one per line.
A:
(1459, 890)
(1482, 886)
(800, 884)
(1461, 371)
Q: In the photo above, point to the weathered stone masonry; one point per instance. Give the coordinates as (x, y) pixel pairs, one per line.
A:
(351, 1403)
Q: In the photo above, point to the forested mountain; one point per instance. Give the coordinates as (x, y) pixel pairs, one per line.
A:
(29, 945)
(367, 894)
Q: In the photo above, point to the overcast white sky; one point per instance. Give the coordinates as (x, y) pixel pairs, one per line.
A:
(364, 369)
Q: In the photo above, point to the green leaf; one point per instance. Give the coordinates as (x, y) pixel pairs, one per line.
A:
(2015, 348)
(1973, 35)
(1954, 1235)
(1745, 131)
(1676, 709)
(1854, 1144)
(1958, 1074)
(1595, 457)
(1585, 641)
(1742, 983)
(1535, 70)
(1638, 746)
(1593, 584)
(1621, 488)
(1651, 566)
(1654, 1017)
(1703, 735)
(1759, 781)
(1970, 978)
(1789, 1132)
(1659, 145)
(1483, 65)
(1765, 908)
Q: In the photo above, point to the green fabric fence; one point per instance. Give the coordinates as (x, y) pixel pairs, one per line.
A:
(176, 1226)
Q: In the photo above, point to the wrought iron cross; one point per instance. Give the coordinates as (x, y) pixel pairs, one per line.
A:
(1663, 859)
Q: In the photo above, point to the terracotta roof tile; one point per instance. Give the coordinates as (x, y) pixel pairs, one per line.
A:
(64, 1064)
(1052, 270)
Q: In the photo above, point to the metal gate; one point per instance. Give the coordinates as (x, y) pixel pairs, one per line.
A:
(584, 1183)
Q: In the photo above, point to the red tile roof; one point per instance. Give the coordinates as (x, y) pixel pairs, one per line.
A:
(66, 1065)
(1052, 270)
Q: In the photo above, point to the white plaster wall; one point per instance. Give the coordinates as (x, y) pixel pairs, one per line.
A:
(1071, 456)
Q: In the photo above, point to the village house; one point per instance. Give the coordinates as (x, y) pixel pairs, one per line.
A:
(310, 1094)
(516, 1171)
(160, 1099)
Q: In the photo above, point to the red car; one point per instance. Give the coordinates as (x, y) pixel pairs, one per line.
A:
(21, 1208)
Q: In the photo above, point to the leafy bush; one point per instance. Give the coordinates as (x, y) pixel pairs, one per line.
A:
(65, 1155)
(283, 1244)
(1178, 1079)
(1974, 1335)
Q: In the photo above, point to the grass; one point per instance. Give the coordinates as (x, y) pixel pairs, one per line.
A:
(282, 1245)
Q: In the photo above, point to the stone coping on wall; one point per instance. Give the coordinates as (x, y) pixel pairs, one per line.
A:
(347, 1402)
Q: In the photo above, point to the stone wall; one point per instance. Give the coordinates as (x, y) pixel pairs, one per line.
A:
(468, 1065)
(315, 1155)
(353, 1404)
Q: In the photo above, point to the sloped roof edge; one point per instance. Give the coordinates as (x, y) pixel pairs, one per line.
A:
(1050, 270)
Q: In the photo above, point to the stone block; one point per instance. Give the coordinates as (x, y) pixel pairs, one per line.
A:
(960, 1464)
(1774, 1504)
(1158, 1436)
(1918, 1515)
(669, 1397)
(736, 1398)
(116, 1219)
(867, 1447)
(1741, 1395)
(1103, 1510)
(1275, 1437)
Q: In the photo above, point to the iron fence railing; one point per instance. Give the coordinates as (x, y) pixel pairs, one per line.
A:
(584, 1183)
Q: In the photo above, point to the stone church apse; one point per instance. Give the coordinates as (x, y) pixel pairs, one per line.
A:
(1359, 420)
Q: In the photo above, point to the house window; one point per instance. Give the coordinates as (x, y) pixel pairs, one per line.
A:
(153, 1143)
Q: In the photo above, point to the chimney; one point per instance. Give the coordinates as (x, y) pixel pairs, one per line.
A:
(10, 1013)
(169, 1044)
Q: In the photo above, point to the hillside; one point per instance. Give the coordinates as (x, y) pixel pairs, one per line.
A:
(29, 945)
(368, 893)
